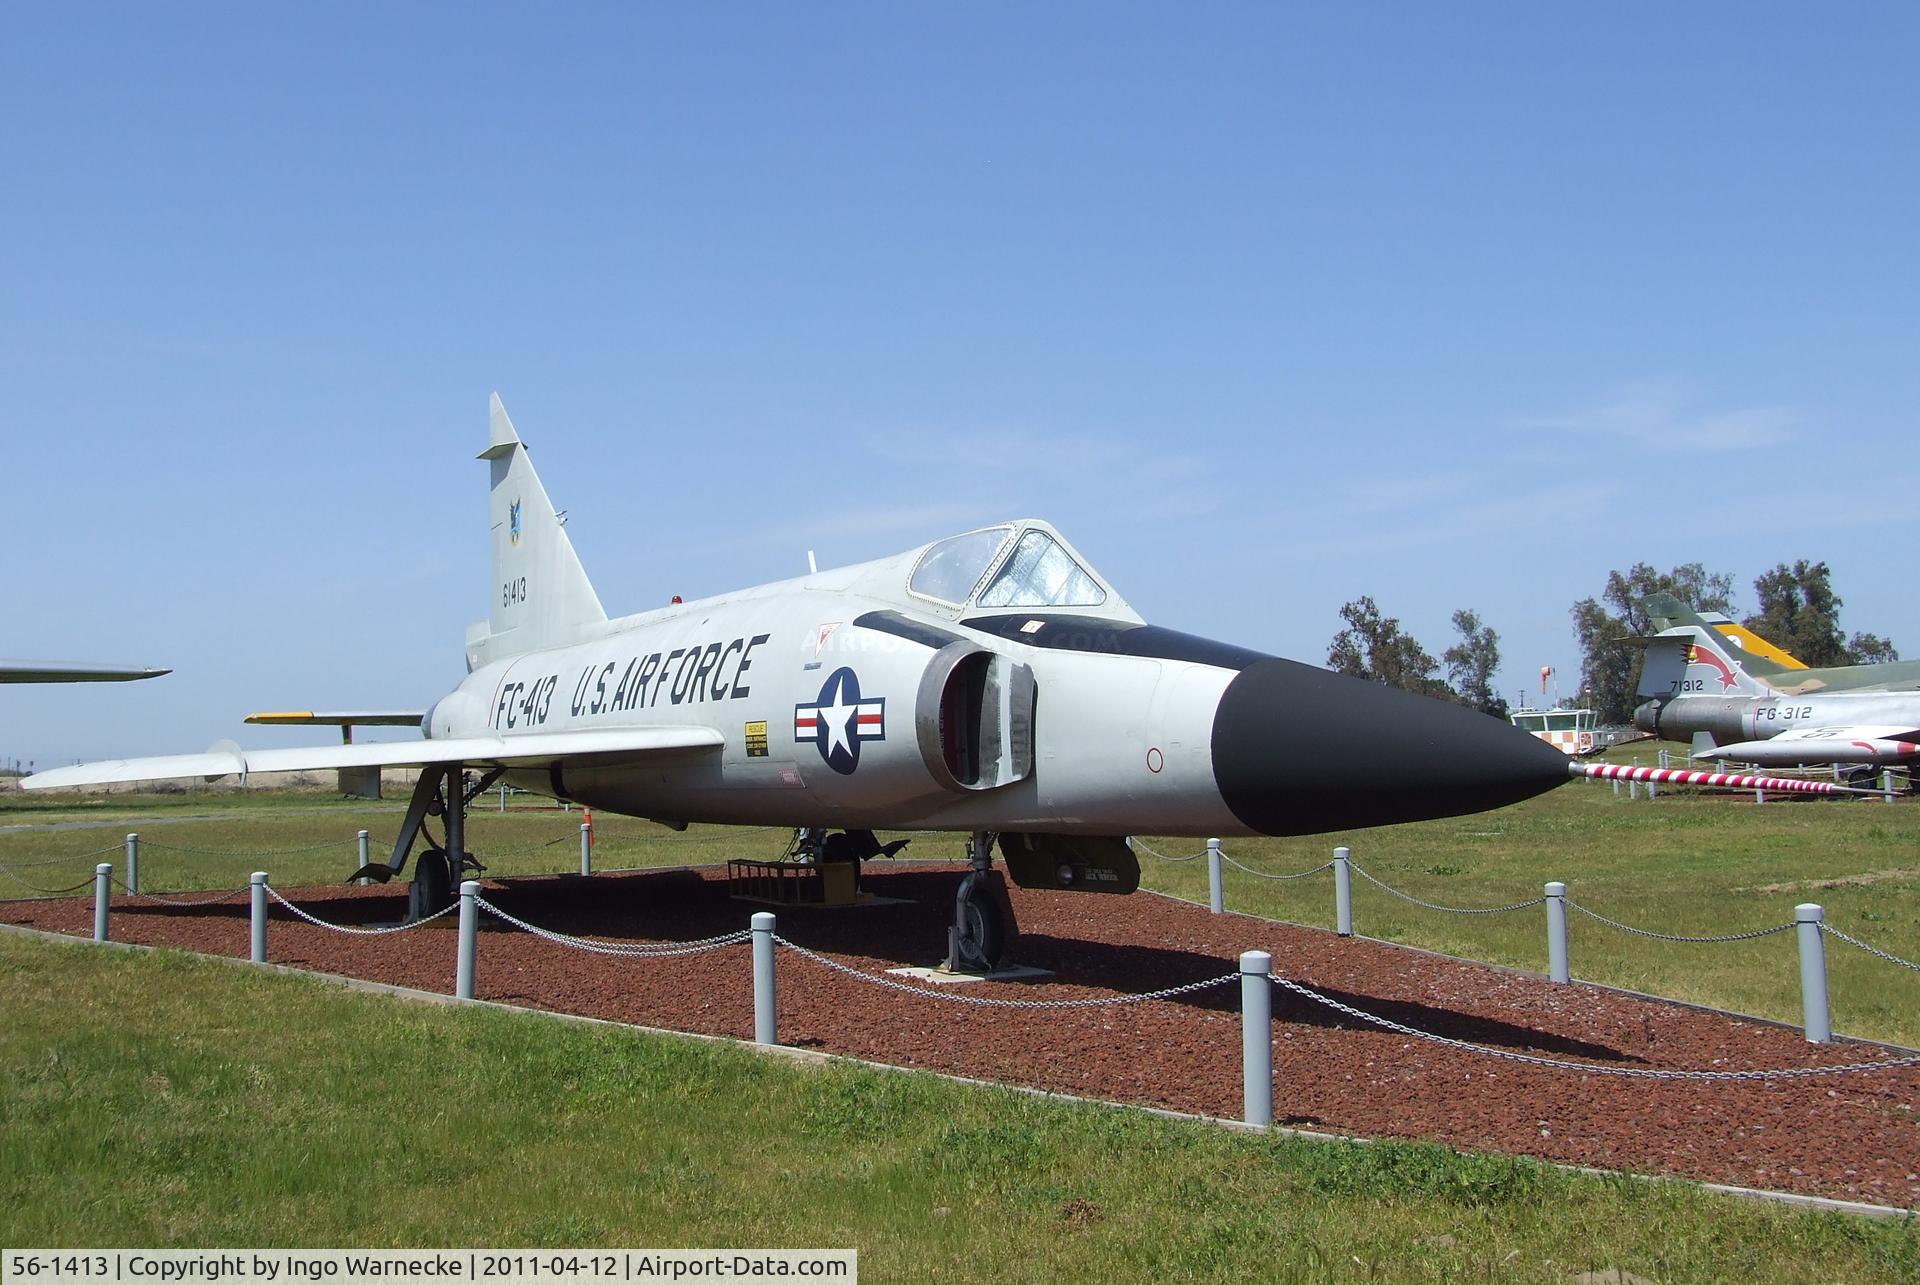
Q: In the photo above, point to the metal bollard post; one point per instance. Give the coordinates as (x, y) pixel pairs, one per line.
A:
(1256, 1036)
(1557, 933)
(1343, 891)
(1216, 894)
(1886, 784)
(1813, 973)
(361, 840)
(763, 992)
(469, 925)
(586, 849)
(102, 879)
(259, 955)
(1616, 787)
(133, 863)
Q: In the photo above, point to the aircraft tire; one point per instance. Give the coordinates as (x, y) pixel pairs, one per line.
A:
(432, 888)
(983, 936)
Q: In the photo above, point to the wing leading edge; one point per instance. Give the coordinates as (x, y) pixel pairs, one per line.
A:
(536, 749)
(62, 671)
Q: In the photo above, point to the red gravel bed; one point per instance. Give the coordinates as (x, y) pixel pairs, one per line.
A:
(1851, 1136)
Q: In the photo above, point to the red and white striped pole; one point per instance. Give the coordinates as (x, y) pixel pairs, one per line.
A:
(1725, 780)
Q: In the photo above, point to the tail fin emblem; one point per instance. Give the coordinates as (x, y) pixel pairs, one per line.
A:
(513, 523)
(1697, 655)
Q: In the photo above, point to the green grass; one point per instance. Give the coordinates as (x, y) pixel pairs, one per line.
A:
(160, 1100)
(1685, 863)
(214, 839)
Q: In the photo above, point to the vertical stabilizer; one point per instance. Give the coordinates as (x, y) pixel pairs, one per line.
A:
(1758, 656)
(1690, 661)
(541, 595)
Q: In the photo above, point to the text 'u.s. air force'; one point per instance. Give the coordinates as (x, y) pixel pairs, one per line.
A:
(712, 671)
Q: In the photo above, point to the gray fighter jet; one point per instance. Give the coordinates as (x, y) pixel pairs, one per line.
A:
(992, 683)
(1743, 708)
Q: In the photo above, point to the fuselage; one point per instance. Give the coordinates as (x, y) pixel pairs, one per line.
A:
(841, 706)
(1760, 718)
(1129, 745)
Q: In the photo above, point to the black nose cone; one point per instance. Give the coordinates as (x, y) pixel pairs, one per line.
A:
(1300, 750)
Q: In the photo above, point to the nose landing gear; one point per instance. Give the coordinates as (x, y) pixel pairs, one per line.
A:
(983, 922)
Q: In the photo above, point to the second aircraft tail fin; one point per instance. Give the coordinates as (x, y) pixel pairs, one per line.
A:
(1688, 660)
(1757, 654)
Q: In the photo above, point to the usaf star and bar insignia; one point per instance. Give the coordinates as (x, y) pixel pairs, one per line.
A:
(840, 721)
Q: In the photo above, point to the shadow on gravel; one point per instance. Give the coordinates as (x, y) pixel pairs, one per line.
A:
(352, 912)
(1130, 970)
(1288, 1007)
(683, 905)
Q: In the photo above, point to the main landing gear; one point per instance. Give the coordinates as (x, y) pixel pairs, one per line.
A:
(441, 792)
(983, 922)
(850, 847)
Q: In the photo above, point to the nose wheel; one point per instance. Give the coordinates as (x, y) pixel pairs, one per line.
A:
(432, 887)
(440, 869)
(983, 923)
(979, 929)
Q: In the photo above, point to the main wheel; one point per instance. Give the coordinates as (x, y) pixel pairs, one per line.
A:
(982, 923)
(432, 889)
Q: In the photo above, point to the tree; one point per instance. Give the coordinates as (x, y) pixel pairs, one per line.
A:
(1471, 663)
(1375, 647)
(1799, 611)
(1872, 649)
(1610, 672)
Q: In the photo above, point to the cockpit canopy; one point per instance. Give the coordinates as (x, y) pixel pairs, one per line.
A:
(1016, 565)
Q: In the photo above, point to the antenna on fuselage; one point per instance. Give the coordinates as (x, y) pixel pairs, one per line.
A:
(813, 568)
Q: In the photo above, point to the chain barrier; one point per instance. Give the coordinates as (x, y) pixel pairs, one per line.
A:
(1831, 931)
(46, 892)
(1643, 932)
(1111, 1001)
(1591, 1068)
(629, 950)
(359, 932)
(1450, 910)
(1135, 843)
(59, 861)
(495, 853)
(1264, 875)
(153, 845)
(180, 901)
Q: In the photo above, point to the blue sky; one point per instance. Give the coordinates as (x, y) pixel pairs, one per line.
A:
(1266, 306)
